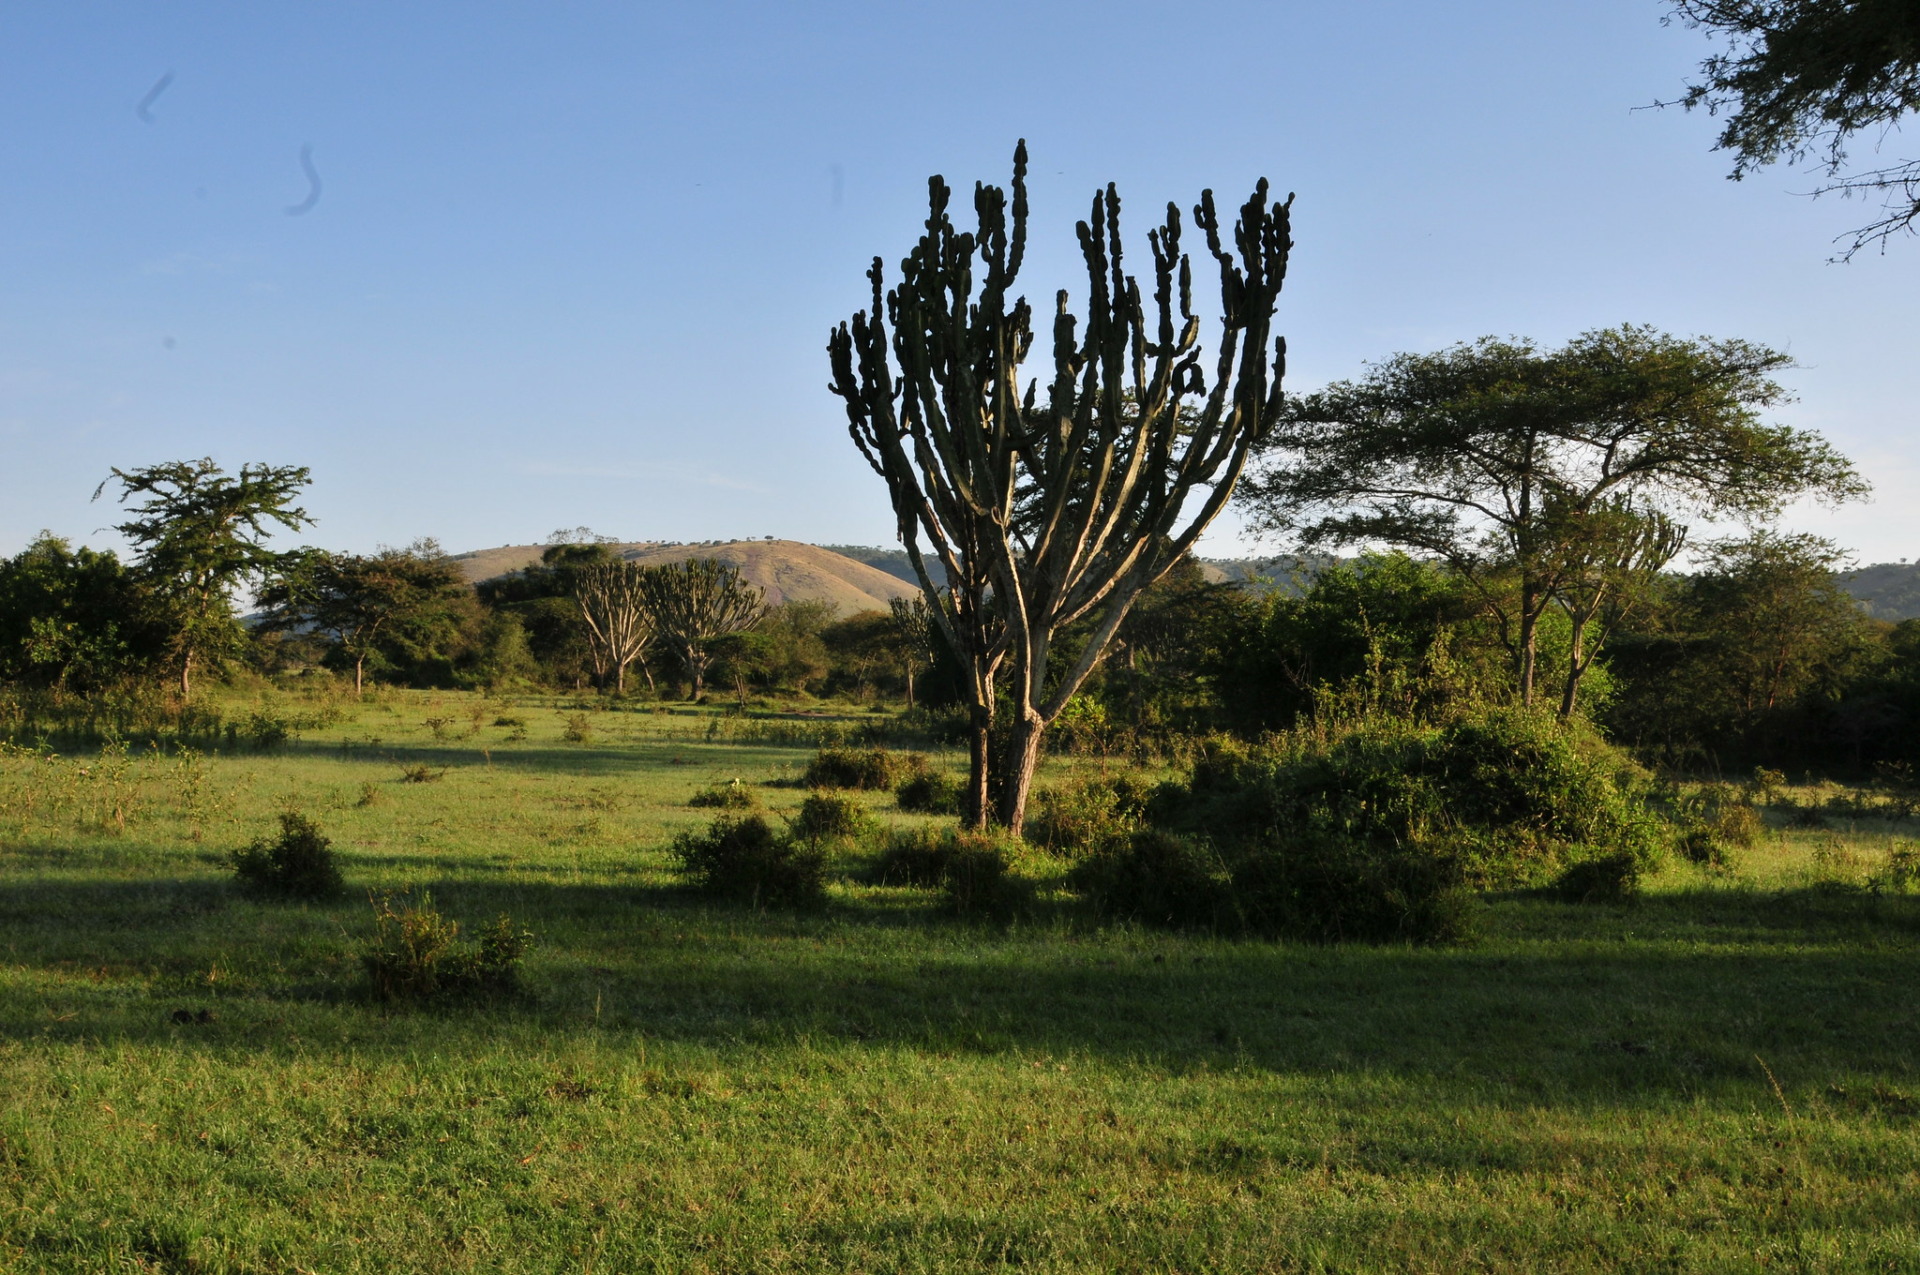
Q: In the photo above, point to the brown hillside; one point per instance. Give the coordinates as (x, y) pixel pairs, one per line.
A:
(786, 570)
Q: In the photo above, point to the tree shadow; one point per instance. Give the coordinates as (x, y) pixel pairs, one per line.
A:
(1679, 996)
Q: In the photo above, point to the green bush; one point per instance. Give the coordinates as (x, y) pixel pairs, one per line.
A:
(915, 857)
(1612, 878)
(1086, 818)
(981, 881)
(872, 769)
(417, 954)
(826, 817)
(1714, 821)
(732, 795)
(928, 792)
(1159, 878)
(744, 858)
(298, 863)
(1375, 831)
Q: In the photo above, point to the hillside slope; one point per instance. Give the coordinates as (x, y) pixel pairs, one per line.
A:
(1886, 590)
(786, 570)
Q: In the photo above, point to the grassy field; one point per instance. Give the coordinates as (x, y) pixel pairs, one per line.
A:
(1721, 1078)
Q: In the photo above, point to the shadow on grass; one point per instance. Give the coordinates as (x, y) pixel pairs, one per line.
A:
(1679, 995)
(575, 759)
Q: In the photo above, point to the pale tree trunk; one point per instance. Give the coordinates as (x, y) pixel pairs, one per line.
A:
(359, 671)
(1016, 782)
(977, 808)
(186, 675)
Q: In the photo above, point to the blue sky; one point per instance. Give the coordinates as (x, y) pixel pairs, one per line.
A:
(575, 263)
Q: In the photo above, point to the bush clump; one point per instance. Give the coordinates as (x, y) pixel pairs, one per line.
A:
(745, 858)
(1610, 878)
(732, 795)
(1375, 831)
(418, 954)
(299, 863)
(1715, 821)
(927, 791)
(823, 816)
(1092, 817)
(974, 871)
(869, 769)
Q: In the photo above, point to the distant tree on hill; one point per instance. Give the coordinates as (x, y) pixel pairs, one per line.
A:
(199, 535)
(695, 601)
(358, 603)
(914, 635)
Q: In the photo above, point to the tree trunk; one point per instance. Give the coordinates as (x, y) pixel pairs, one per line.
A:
(1529, 623)
(1023, 755)
(359, 671)
(186, 675)
(619, 679)
(977, 808)
(1571, 696)
(909, 685)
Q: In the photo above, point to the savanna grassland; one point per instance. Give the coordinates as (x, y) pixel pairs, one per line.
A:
(1719, 1077)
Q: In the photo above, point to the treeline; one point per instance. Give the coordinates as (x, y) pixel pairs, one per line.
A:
(1757, 658)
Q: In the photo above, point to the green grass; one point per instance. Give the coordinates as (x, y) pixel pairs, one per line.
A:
(1722, 1078)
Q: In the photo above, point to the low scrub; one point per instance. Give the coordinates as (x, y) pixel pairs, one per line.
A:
(746, 858)
(869, 769)
(824, 817)
(928, 792)
(1092, 817)
(732, 795)
(417, 954)
(299, 863)
(976, 872)
(1376, 832)
(1611, 878)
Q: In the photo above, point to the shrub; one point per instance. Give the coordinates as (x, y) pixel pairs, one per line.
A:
(860, 768)
(1611, 878)
(916, 857)
(1159, 878)
(1339, 891)
(929, 792)
(421, 774)
(416, 953)
(298, 863)
(744, 858)
(732, 795)
(980, 880)
(825, 817)
(1088, 817)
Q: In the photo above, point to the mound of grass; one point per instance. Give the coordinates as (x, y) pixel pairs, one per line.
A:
(299, 863)
(1611, 878)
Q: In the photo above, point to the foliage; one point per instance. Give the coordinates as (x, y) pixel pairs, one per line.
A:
(927, 791)
(1068, 510)
(1607, 878)
(72, 618)
(1158, 878)
(1543, 477)
(1088, 817)
(873, 769)
(827, 817)
(299, 862)
(732, 795)
(1801, 78)
(416, 954)
(364, 604)
(745, 858)
(695, 602)
(199, 534)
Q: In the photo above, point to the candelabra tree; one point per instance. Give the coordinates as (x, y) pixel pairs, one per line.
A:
(1046, 513)
(612, 597)
(696, 601)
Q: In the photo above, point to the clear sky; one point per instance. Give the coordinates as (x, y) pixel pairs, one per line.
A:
(575, 263)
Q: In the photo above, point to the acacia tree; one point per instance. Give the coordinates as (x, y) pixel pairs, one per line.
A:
(1609, 557)
(359, 602)
(1524, 470)
(696, 601)
(1042, 515)
(1801, 78)
(199, 534)
(612, 597)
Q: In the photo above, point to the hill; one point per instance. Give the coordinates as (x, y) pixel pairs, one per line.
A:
(1886, 590)
(786, 570)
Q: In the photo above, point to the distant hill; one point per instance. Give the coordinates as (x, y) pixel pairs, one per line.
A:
(1886, 590)
(1285, 572)
(786, 570)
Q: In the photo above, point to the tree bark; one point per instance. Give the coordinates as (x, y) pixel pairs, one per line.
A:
(359, 669)
(1023, 756)
(977, 808)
